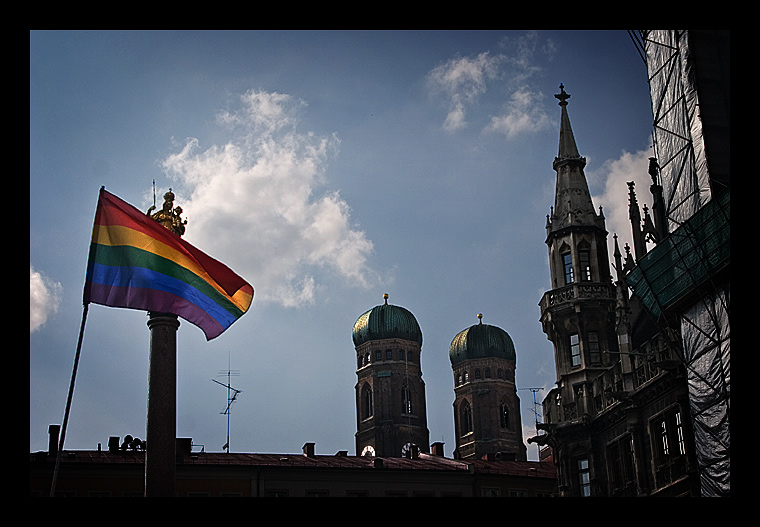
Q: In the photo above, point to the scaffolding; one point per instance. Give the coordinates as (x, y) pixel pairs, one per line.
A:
(685, 278)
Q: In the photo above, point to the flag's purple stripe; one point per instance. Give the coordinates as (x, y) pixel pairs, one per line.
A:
(140, 277)
(154, 300)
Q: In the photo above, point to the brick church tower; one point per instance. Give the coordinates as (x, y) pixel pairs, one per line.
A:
(486, 407)
(391, 416)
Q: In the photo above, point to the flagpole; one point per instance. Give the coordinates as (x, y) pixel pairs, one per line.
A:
(59, 454)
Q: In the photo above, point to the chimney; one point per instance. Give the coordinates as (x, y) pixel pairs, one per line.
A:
(437, 449)
(183, 446)
(113, 445)
(53, 431)
(308, 449)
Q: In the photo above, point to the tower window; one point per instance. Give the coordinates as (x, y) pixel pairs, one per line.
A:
(388, 354)
(567, 263)
(575, 350)
(366, 402)
(504, 415)
(406, 400)
(465, 419)
(593, 347)
(584, 477)
(585, 261)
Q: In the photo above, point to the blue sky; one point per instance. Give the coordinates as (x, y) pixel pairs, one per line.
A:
(326, 168)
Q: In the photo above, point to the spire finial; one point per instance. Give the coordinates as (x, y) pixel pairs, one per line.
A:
(480, 318)
(562, 96)
(385, 297)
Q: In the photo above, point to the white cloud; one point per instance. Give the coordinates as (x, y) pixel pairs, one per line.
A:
(44, 298)
(616, 174)
(522, 115)
(462, 81)
(253, 203)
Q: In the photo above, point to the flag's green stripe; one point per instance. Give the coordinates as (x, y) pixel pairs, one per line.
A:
(126, 256)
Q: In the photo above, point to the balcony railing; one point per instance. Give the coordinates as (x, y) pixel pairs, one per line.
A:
(577, 291)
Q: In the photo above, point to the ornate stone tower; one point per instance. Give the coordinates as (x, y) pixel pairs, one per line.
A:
(578, 313)
(391, 418)
(486, 406)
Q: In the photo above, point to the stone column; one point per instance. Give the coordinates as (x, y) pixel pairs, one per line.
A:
(160, 456)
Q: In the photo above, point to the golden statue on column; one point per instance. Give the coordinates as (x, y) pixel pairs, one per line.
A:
(169, 216)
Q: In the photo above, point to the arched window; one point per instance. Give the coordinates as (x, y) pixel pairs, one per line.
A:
(567, 265)
(465, 418)
(409, 356)
(367, 407)
(504, 416)
(477, 373)
(406, 400)
(488, 373)
(585, 265)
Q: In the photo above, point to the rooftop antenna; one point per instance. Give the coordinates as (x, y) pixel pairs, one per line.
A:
(232, 394)
(535, 413)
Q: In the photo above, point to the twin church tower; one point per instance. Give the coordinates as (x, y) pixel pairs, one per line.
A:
(576, 315)
(391, 416)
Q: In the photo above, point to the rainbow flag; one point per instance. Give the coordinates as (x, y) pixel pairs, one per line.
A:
(137, 263)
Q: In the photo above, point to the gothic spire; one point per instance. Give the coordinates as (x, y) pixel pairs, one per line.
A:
(573, 205)
(567, 146)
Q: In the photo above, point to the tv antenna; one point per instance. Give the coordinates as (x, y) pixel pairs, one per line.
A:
(535, 413)
(232, 394)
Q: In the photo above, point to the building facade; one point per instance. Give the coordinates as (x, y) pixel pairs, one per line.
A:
(120, 472)
(617, 421)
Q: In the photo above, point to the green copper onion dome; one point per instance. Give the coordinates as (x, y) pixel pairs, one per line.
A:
(386, 322)
(481, 341)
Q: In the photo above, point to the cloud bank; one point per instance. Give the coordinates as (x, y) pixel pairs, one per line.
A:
(254, 204)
